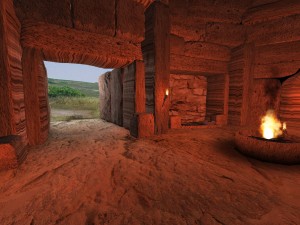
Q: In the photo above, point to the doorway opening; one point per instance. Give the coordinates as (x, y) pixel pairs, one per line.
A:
(73, 91)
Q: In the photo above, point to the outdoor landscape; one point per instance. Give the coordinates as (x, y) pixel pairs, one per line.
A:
(70, 100)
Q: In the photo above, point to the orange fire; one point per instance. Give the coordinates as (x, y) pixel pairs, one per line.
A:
(270, 126)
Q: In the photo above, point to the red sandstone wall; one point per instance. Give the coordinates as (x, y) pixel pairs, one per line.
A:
(105, 96)
(188, 97)
(100, 33)
(216, 99)
(116, 89)
(238, 78)
(203, 35)
(273, 32)
(128, 95)
(133, 92)
(12, 109)
(290, 104)
(36, 102)
(246, 39)
(111, 96)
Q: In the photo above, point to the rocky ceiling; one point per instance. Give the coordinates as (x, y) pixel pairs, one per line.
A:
(119, 25)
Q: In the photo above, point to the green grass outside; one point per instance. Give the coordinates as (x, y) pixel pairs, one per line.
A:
(88, 89)
(71, 108)
(78, 108)
(77, 103)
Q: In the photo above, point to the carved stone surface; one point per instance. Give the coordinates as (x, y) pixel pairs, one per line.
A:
(116, 89)
(134, 99)
(216, 96)
(36, 102)
(105, 96)
(175, 122)
(69, 45)
(188, 97)
(12, 109)
(156, 53)
(289, 111)
(142, 125)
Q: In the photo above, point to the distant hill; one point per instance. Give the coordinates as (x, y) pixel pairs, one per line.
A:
(89, 89)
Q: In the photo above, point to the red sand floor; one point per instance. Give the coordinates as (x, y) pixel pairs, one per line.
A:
(92, 172)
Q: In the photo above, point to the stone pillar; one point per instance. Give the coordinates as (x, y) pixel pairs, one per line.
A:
(116, 87)
(240, 82)
(12, 108)
(36, 96)
(156, 55)
(142, 125)
(133, 92)
(105, 96)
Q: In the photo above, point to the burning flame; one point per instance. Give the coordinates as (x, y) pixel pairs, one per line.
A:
(167, 92)
(284, 126)
(270, 126)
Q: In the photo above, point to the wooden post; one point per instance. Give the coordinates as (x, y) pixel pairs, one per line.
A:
(156, 54)
(36, 96)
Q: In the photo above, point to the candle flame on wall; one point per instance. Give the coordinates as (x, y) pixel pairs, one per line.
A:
(284, 126)
(167, 92)
(270, 126)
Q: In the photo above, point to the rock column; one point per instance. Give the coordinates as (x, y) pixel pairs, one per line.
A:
(156, 55)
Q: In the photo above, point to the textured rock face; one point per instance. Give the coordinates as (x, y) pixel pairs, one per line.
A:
(108, 17)
(188, 97)
(134, 99)
(217, 98)
(37, 105)
(111, 96)
(271, 50)
(248, 40)
(12, 109)
(290, 104)
(205, 20)
(100, 33)
(62, 44)
(116, 88)
(105, 96)
(156, 54)
(142, 125)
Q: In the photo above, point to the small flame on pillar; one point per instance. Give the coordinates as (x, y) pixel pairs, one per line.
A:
(167, 92)
(270, 126)
(284, 126)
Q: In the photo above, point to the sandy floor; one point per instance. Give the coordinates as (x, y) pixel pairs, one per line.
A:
(92, 172)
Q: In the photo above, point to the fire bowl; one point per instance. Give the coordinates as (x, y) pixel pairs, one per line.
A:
(284, 151)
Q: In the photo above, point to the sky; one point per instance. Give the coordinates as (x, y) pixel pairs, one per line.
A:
(70, 71)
